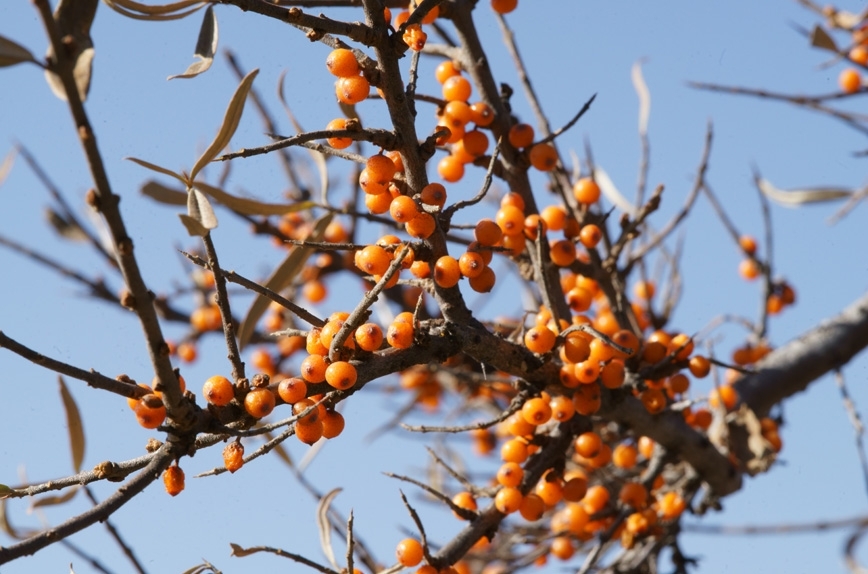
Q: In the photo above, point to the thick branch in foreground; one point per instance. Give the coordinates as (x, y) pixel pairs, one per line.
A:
(791, 368)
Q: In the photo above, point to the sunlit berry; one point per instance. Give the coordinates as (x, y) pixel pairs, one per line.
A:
(342, 63)
(352, 90)
(341, 375)
(218, 391)
(259, 402)
(173, 480)
(292, 389)
(409, 552)
(586, 190)
(233, 456)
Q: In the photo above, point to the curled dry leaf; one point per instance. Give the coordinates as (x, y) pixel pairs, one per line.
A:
(325, 528)
(74, 426)
(206, 46)
(607, 187)
(644, 97)
(12, 53)
(160, 169)
(162, 12)
(796, 197)
(229, 125)
(200, 209)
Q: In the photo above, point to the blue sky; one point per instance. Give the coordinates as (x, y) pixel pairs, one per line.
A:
(574, 50)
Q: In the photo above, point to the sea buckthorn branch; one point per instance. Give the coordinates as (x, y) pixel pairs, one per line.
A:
(115, 533)
(92, 377)
(107, 202)
(229, 331)
(450, 211)
(158, 462)
(415, 516)
(234, 277)
(514, 406)
(240, 551)
(382, 138)
(790, 368)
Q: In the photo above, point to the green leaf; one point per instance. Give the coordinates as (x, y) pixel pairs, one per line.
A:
(229, 125)
(73, 423)
(12, 53)
(159, 169)
(280, 279)
(206, 45)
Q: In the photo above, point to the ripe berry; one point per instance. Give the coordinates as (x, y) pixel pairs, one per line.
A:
(520, 135)
(450, 169)
(403, 209)
(150, 411)
(510, 219)
(381, 167)
(339, 143)
(487, 232)
(373, 259)
(588, 444)
(447, 272)
(309, 433)
(543, 156)
(378, 204)
(457, 88)
(341, 375)
(206, 318)
(682, 346)
(342, 63)
(400, 335)
(484, 282)
(313, 369)
(291, 390)
(586, 191)
(415, 37)
(536, 411)
(352, 90)
(409, 552)
(233, 456)
(369, 336)
(514, 450)
(510, 474)
(259, 402)
(508, 500)
(471, 264)
(587, 399)
(446, 70)
(654, 400)
(173, 479)
(633, 494)
(218, 391)
(595, 499)
(562, 253)
(670, 505)
(723, 395)
(464, 500)
(850, 81)
(332, 424)
(433, 194)
(624, 456)
(749, 269)
(539, 339)
(475, 143)
(590, 235)
(421, 226)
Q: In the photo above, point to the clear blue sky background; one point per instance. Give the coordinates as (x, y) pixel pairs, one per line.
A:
(574, 49)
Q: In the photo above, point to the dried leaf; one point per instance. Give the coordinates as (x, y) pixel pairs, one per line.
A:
(73, 423)
(162, 194)
(138, 11)
(325, 528)
(796, 197)
(5, 491)
(200, 209)
(821, 39)
(55, 500)
(200, 568)
(280, 278)
(12, 53)
(607, 187)
(158, 169)
(66, 228)
(74, 18)
(194, 228)
(11, 531)
(6, 166)
(644, 97)
(251, 206)
(241, 552)
(206, 45)
(229, 125)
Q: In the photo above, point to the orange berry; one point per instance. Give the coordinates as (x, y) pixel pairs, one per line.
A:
(464, 500)
(483, 115)
(595, 499)
(433, 194)
(446, 70)
(532, 507)
(342, 63)
(314, 291)
(612, 374)
(352, 90)
(503, 6)
(484, 282)
(678, 383)
(701, 418)
(670, 505)
(587, 371)
(539, 339)
(373, 259)
(415, 37)
(471, 264)
(633, 494)
(510, 219)
(543, 156)
(575, 349)
(339, 143)
(421, 226)
(587, 399)
(450, 169)
(699, 366)
(233, 456)
(173, 480)
(562, 408)
(510, 474)
(536, 411)
(517, 426)
(403, 209)
(574, 488)
(309, 433)
(409, 552)
(654, 400)
(624, 456)
(563, 253)
(447, 272)
(332, 424)
(508, 500)
(748, 244)
(749, 269)
(588, 444)
(218, 391)
(313, 368)
(381, 167)
(457, 113)
(487, 232)
(379, 203)
(590, 235)
(259, 402)
(550, 491)
(400, 335)
(850, 81)
(303, 405)
(421, 269)
(369, 337)
(682, 346)
(313, 342)
(514, 450)
(724, 395)
(150, 411)
(475, 142)
(514, 199)
(341, 375)
(291, 390)
(586, 190)
(456, 88)
(520, 135)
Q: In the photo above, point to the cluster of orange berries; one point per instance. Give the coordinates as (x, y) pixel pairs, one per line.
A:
(782, 294)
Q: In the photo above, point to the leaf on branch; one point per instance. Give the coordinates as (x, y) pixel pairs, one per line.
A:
(12, 53)
(241, 552)
(138, 11)
(199, 209)
(229, 125)
(280, 279)
(251, 206)
(325, 528)
(206, 45)
(821, 39)
(73, 423)
(55, 500)
(644, 97)
(74, 18)
(162, 194)
(795, 197)
(5, 491)
(159, 169)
